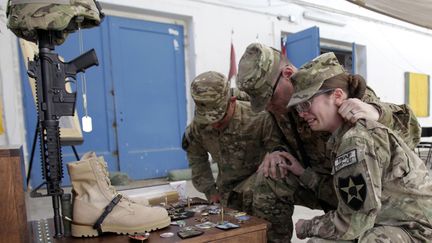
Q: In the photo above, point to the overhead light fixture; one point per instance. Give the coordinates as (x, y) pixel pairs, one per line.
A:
(324, 18)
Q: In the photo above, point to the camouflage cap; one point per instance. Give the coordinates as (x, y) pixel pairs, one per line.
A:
(210, 92)
(309, 78)
(257, 73)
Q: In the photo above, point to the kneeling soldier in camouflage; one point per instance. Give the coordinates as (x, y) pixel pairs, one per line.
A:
(236, 138)
(383, 188)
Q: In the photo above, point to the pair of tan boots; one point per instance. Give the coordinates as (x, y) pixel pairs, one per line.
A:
(98, 208)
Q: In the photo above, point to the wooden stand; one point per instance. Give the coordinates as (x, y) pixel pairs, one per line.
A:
(253, 230)
(13, 217)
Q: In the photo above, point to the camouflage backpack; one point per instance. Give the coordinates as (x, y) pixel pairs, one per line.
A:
(25, 17)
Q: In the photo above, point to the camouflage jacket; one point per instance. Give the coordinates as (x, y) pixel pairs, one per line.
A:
(317, 176)
(238, 149)
(378, 180)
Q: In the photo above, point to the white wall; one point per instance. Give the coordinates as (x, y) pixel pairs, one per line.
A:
(10, 85)
(391, 46)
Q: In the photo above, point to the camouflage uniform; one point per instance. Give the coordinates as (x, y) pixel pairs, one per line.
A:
(383, 188)
(274, 198)
(380, 182)
(238, 149)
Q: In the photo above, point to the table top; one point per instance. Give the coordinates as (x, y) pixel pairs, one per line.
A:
(38, 228)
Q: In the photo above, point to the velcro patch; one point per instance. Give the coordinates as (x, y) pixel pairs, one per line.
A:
(345, 160)
(353, 191)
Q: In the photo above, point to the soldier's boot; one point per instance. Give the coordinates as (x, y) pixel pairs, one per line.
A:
(98, 208)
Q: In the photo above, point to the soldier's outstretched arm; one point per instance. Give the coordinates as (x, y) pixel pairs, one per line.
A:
(202, 175)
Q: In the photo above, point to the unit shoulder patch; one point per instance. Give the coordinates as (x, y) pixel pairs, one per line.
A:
(345, 160)
(353, 191)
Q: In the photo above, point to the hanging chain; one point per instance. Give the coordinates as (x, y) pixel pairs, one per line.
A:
(83, 75)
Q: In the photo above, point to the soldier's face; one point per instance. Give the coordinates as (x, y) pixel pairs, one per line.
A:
(223, 123)
(282, 92)
(323, 113)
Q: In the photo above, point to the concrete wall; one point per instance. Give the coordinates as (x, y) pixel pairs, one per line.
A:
(10, 85)
(387, 47)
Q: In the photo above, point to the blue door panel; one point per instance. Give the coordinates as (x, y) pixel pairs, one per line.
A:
(150, 164)
(303, 46)
(148, 73)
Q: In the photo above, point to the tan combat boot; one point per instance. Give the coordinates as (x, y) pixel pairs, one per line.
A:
(98, 208)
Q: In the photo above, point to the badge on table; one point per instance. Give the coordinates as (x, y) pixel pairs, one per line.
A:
(353, 191)
(227, 225)
(206, 225)
(189, 232)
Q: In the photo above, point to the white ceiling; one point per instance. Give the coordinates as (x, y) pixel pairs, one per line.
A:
(418, 12)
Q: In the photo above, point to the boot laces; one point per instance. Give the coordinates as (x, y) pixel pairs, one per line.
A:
(104, 169)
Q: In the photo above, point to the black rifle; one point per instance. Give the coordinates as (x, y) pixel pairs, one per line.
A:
(54, 101)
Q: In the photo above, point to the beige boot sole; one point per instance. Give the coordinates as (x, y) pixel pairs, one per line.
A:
(79, 230)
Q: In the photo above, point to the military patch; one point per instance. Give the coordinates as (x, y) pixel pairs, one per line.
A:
(345, 159)
(352, 190)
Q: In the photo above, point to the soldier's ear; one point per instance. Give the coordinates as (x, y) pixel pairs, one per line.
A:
(339, 96)
(287, 71)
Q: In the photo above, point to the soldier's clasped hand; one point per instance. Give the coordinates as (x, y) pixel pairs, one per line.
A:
(291, 164)
(272, 165)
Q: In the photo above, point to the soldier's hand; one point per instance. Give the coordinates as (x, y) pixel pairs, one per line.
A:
(215, 198)
(354, 109)
(299, 229)
(270, 165)
(291, 164)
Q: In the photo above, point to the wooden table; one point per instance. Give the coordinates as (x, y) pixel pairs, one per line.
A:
(251, 231)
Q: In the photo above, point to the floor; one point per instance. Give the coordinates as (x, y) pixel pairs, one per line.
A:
(40, 208)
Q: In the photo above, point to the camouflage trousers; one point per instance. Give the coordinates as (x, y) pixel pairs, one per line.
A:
(241, 196)
(274, 200)
(379, 234)
(240, 201)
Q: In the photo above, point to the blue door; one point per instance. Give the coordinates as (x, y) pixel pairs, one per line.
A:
(136, 98)
(303, 46)
(149, 79)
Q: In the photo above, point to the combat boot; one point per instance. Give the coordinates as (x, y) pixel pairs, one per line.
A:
(98, 208)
